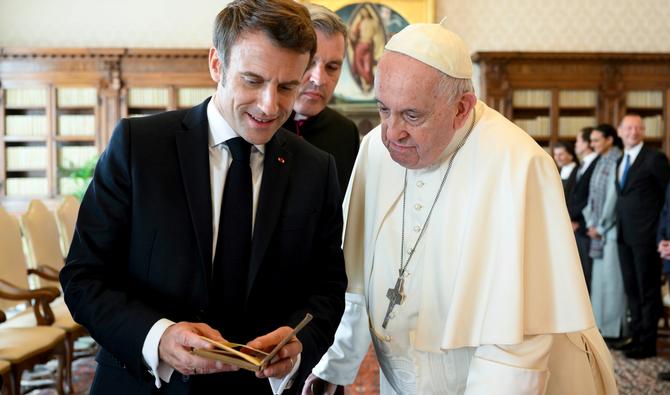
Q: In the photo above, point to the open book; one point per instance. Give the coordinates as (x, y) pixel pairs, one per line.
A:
(244, 356)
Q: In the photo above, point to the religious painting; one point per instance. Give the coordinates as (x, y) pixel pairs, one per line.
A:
(371, 25)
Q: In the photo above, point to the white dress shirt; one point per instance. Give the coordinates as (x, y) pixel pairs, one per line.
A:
(219, 162)
(586, 162)
(633, 152)
(567, 170)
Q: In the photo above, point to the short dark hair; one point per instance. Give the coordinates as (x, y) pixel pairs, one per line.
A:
(285, 22)
(326, 21)
(586, 133)
(567, 147)
(609, 131)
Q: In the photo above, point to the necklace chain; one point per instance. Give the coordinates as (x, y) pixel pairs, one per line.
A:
(403, 267)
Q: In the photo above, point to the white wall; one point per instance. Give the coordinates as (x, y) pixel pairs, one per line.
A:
(540, 25)
(560, 25)
(107, 23)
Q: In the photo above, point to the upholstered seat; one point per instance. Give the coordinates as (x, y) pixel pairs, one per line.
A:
(20, 344)
(62, 319)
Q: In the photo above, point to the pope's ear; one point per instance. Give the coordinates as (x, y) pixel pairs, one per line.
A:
(215, 65)
(465, 104)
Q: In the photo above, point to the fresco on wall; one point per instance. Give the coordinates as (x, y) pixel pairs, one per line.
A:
(370, 26)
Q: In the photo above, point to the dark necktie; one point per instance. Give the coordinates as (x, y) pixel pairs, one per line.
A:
(233, 245)
(626, 167)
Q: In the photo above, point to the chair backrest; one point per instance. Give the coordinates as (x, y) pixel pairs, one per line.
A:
(66, 217)
(12, 260)
(41, 235)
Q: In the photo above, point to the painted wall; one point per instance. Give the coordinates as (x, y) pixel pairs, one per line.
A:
(542, 25)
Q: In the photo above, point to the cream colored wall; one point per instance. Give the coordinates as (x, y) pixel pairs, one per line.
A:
(107, 23)
(566, 25)
(540, 25)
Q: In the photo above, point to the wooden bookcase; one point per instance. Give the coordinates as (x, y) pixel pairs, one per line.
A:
(58, 108)
(552, 95)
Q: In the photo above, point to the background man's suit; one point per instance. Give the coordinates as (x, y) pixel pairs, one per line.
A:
(638, 207)
(334, 133)
(578, 197)
(143, 250)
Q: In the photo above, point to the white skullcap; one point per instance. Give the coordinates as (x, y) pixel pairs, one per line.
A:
(434, 45)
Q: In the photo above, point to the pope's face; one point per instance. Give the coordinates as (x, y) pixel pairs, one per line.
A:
(256, 91)
(417, 121)
(631, 130)
(318, 83)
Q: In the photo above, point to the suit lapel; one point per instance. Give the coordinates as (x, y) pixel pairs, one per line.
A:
(633, 172)
(193, 153)
(276, 169)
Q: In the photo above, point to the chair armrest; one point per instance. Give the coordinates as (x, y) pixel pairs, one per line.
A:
(39, 298)
(45, 272)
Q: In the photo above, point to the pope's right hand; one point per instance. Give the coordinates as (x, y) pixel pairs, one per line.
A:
(317, 386)
(177, 342)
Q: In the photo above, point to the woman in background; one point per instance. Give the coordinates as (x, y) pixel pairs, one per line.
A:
(607, 291)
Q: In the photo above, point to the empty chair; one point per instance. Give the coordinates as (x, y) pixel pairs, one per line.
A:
(41, 234)
(66, 217)
(23, 348)
(13, 272)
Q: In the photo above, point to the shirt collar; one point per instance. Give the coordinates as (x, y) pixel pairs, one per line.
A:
(633, 152)
(219, 129)
(300, 117)
(588, 158)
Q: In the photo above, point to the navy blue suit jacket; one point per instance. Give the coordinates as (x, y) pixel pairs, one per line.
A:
(142, 250)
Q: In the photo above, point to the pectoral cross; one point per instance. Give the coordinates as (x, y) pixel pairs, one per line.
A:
(395, 297)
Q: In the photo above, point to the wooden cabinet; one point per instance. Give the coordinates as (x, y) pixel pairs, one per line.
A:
(553, 95)
(58, 108)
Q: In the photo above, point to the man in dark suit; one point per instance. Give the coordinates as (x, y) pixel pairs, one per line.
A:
(211, 221)
(578, 198)
(643, 174)
(312, 119)
(663, 240)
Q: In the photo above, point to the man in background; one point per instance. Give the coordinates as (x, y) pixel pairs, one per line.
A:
(213, 222)
(312, 119)
(642, 176)
(578, 198)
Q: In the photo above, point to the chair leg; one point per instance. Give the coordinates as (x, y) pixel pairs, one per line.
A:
(69, 353)
(15, 385)
(60, 372)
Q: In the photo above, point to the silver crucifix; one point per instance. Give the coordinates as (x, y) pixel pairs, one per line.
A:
(395, 296)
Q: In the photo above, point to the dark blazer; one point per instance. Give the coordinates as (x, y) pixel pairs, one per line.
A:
(641, 199)
(334, 133)
(142, 251)
(664, 226)
(578, 195)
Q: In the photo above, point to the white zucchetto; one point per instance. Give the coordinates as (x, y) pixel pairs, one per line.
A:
(434, 45)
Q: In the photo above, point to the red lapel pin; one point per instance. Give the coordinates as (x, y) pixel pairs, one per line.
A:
(281, 160)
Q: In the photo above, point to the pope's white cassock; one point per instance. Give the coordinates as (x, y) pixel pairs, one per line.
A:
(496, 301)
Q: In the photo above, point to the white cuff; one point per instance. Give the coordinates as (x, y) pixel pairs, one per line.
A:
(158, 369)
(339, 365)
(280, 384)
